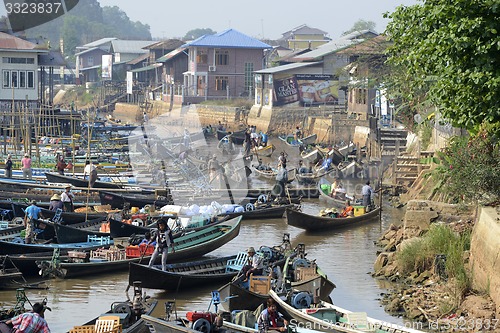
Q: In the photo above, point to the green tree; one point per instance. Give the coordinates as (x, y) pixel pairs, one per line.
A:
(195, 33)
(446, 51)
(361, 25)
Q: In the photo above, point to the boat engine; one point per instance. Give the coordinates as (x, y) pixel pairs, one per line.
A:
(201, 321)
(301, 300)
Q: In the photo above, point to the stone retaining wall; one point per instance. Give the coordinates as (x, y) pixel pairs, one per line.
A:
(485, 254)
(332, 127)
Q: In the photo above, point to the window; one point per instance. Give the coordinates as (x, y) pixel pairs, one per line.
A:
(18, 79)
(22, 79)
(18, 60)
(202, 57)
(14, 79)
(6, 79)
(248, 76)
(221, 83)
(31, 79)
(221, 57)
(90, 61)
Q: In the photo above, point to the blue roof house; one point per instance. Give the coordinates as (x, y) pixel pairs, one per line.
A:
(222, 66)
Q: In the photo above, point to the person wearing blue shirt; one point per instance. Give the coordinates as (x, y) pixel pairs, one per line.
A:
(263, 139)
(33, 213)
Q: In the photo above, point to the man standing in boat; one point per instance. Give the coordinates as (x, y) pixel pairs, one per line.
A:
(8, 167)
(33, 213)
(90, 171)
(67, 198)
(164, 239)
(367, 192)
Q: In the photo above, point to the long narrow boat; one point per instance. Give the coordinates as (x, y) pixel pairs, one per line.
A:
(78, 232)
(324, 189)
(318, 223)
(117, 200)
(189, 246)
(127, 313)
(66, 217)
(291, 141)
(327, 317)
(265, 211)
(183, 275)
(305, 275)
(53, 177)
(266, 151)
(16, 245)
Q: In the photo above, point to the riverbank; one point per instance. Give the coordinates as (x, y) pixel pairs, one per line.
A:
(444, 265)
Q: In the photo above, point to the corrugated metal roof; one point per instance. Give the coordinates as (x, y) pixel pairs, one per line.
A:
(130, 46)
(90, 50)
(229, 39)
(146, 68)
(52, 58)
(137, 60)
(98, 42)
(360, 33)
(9, 42)
(287, 67)
(325, 49)
(303, 29)
(171, 54)
(169, 44)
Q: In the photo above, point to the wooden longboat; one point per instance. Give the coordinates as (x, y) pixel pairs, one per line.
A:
(290, 140)
(117, 200)
(266, 151)
(53, 177)
(327, 317)
(78, 232)
(120, 229)
(183, 275)
(17, 246)
(324, 188)
(129, 312)
(191, 245)
(265, 212)
(304, 274)
(318, 223)
(67, 217)
(240, 298)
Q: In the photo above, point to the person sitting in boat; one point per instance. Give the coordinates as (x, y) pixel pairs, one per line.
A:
(30, 322)
(270, 319)
(220, 127)
(339, 191)
(253, 266)
(148, 239)
(348, 210)
(302, 168)
(164, 239)
(55, 203)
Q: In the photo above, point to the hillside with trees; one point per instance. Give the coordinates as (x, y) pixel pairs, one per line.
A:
(87, 22)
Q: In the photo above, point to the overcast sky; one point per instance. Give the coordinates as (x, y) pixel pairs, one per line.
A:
(256, 18)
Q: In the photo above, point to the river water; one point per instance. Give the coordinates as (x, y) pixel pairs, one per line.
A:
(346, 256)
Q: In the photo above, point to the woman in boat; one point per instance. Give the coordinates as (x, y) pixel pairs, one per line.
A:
(348, 210)
(164, 239)
(55, 203)
(61, 165)
(270, 319)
